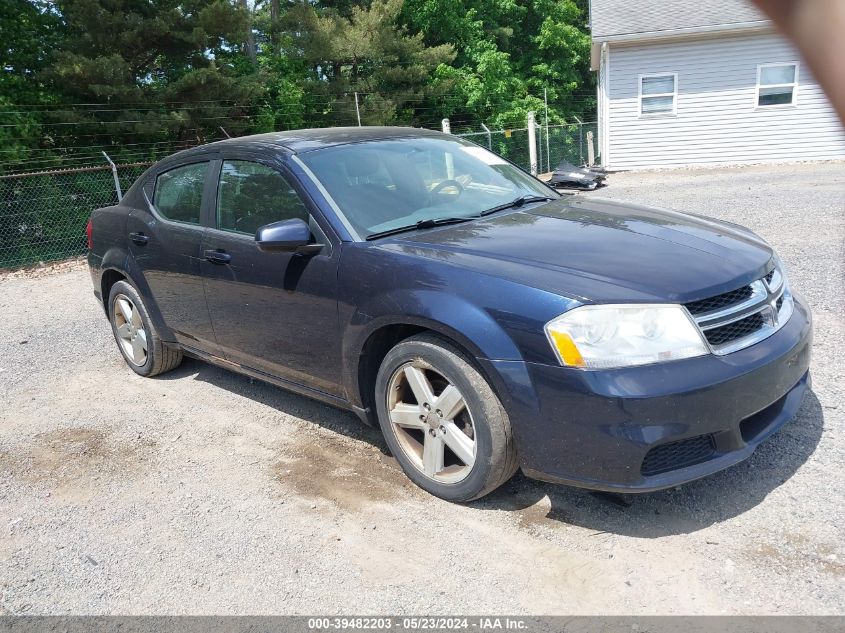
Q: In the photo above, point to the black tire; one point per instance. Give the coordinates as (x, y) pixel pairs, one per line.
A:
(495, 458)
(160, 357)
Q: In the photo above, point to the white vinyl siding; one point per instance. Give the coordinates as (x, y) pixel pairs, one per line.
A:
(716, 119)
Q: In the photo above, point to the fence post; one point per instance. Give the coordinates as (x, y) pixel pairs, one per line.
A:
(532, 143)
(591, 152)
(357, 110)
(114, 175)
(548, 138)
(450, 161)
(580, 143)
(538, 128)
(489, 137)
(580, 139)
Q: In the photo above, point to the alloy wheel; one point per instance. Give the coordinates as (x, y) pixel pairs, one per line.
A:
(131, 334)
(432, 422)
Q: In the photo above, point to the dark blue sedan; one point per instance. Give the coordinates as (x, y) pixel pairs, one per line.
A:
(483, 321)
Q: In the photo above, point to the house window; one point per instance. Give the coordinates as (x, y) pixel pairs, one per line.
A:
(658, 94)
(777, 84)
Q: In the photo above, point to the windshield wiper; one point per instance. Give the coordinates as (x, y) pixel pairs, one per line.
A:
(422, 224)
(430, 224)
(515, 204)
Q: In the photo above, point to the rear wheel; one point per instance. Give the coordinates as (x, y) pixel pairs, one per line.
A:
(137, 339)
(442, 421)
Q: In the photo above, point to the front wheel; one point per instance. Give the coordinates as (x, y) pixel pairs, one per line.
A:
(442, 421)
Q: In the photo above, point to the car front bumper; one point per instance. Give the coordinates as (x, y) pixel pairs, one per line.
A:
(647, 428)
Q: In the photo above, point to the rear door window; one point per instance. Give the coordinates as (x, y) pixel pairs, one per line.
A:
(178, 193)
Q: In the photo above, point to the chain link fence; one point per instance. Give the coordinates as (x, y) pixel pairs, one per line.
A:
(566, 142)
(43, 214)
(554, 144)
(511, 144)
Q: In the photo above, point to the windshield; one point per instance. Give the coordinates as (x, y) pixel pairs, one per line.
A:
(383, 185)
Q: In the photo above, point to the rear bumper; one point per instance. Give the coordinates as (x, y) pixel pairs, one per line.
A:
(648, 428)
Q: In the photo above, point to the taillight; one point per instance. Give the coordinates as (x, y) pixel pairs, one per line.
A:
(89, 231)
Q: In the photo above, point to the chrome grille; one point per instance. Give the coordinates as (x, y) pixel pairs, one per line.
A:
(719, 301)
(734, 320)
(732, 331)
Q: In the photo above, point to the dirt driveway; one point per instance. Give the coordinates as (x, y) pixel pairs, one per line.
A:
(206, 492)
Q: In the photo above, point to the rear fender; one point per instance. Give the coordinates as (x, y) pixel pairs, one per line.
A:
(119, 259)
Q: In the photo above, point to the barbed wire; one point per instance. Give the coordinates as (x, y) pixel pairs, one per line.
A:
(586, 92)
(156, 129)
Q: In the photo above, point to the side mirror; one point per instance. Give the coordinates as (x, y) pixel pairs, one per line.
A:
(287, 236)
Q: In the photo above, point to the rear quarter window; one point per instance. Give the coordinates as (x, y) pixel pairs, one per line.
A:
(178, 193)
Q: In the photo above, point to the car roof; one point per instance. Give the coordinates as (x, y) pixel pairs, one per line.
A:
(299, 141)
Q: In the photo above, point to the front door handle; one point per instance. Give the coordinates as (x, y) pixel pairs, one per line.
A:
(139, 238)
(217, 257)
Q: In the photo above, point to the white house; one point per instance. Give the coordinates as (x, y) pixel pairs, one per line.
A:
(692, 82)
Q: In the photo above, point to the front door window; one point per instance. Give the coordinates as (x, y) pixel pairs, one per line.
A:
(251, 195)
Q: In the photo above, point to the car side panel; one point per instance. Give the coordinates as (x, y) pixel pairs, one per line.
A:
(271, 311)
(168, 266)
(111, 252)
(275, 312)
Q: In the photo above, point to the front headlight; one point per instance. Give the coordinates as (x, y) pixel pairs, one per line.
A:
(607, 336)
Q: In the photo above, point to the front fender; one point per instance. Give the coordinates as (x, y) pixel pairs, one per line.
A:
(467, 324)
(455, 318)
(491, 318)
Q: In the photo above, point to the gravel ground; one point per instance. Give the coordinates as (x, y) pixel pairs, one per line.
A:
(204, 492)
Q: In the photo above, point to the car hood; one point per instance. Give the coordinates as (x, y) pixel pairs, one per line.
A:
(595, 249)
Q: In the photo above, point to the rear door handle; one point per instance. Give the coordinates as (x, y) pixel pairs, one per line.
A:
(139, 238)
(217, 257)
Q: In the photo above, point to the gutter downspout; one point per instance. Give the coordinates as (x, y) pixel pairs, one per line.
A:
(604, 105)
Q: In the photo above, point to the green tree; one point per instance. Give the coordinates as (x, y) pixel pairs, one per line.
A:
(370, 53)
(164, 72)
(508, 53)
(29, 31)
(168, 70)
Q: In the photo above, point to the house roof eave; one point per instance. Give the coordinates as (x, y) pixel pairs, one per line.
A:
(711, 29)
